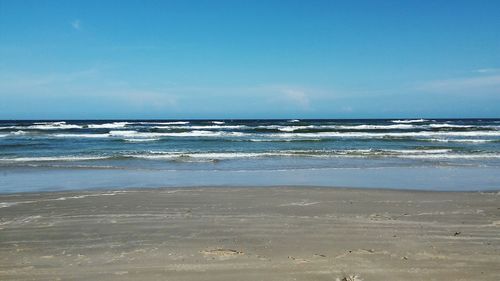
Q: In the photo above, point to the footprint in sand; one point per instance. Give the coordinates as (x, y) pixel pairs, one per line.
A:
(222, 253)
(298, 261)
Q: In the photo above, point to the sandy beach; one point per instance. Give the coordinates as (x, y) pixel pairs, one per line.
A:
(263, 233)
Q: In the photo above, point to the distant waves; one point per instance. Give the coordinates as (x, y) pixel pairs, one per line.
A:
(435, 142)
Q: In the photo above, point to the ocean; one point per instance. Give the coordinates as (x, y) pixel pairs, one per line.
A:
(427, 154)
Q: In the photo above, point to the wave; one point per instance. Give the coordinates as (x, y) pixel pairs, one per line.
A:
(17, 133)
(285, 133)
(316, 127)
(79, 135)
(164, 123)
(128, 134)
(203, 155)
(339, 127)
(205, 127)
(461, 140)
(43, 127)
(294, 120)
(55, 123)
(53, 126)
(455, 156)
(432, 153)
(286, 140)
(141, 140)
(53, 158)
(410, 121)
(286, 128)
(194, 133)
(113, 125)
(374, 127)
(403, 153)
(449, 126)
(388, 134)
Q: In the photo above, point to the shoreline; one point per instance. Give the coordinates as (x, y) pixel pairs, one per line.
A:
(201, 187)
(250, 233)
(411, 178)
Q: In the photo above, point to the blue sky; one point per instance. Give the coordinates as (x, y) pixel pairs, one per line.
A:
(249, 59)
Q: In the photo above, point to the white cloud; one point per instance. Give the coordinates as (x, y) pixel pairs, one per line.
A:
(76, 24)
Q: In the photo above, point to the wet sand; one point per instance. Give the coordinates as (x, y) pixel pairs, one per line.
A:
(278, 233)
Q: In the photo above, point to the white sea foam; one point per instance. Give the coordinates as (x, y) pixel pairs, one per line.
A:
(159, 156)
(420, 154)
(20, 132)
(454, 156)
(294, 120)
(208, 155)
(56, 123)
(164, 123)
(292, 128)
(200, 133)
(410, 121)
(284, 140)
(218, 122)
(460, 140)
(287, 133)
(44, 126)
(448, 126)
(142, 140)
(131, 134)
(417, 151)
(341, 127)
(80, 135)
(52, 158)
(113, 125)
(186, 155)
(388, 134)
(205, 127)
(194, 133)
(125, 133)
(52, 126)
(372, 127)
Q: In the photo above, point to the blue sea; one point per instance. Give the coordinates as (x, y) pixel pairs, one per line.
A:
(425, 154)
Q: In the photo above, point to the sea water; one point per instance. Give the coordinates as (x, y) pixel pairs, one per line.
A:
(429, 154)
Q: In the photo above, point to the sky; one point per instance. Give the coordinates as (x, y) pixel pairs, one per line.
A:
(233, 59)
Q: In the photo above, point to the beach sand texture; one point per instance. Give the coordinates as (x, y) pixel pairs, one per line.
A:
(263, 233)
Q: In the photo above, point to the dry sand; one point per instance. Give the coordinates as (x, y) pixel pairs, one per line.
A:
(250, 234)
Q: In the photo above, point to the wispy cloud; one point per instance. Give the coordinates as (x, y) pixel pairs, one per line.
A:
(76, 24)
(472, 85)
(487, 70)
(286, 95)
(36, 82)
(141, 99)
(297, 96)
(346, 109)
(85, 85)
